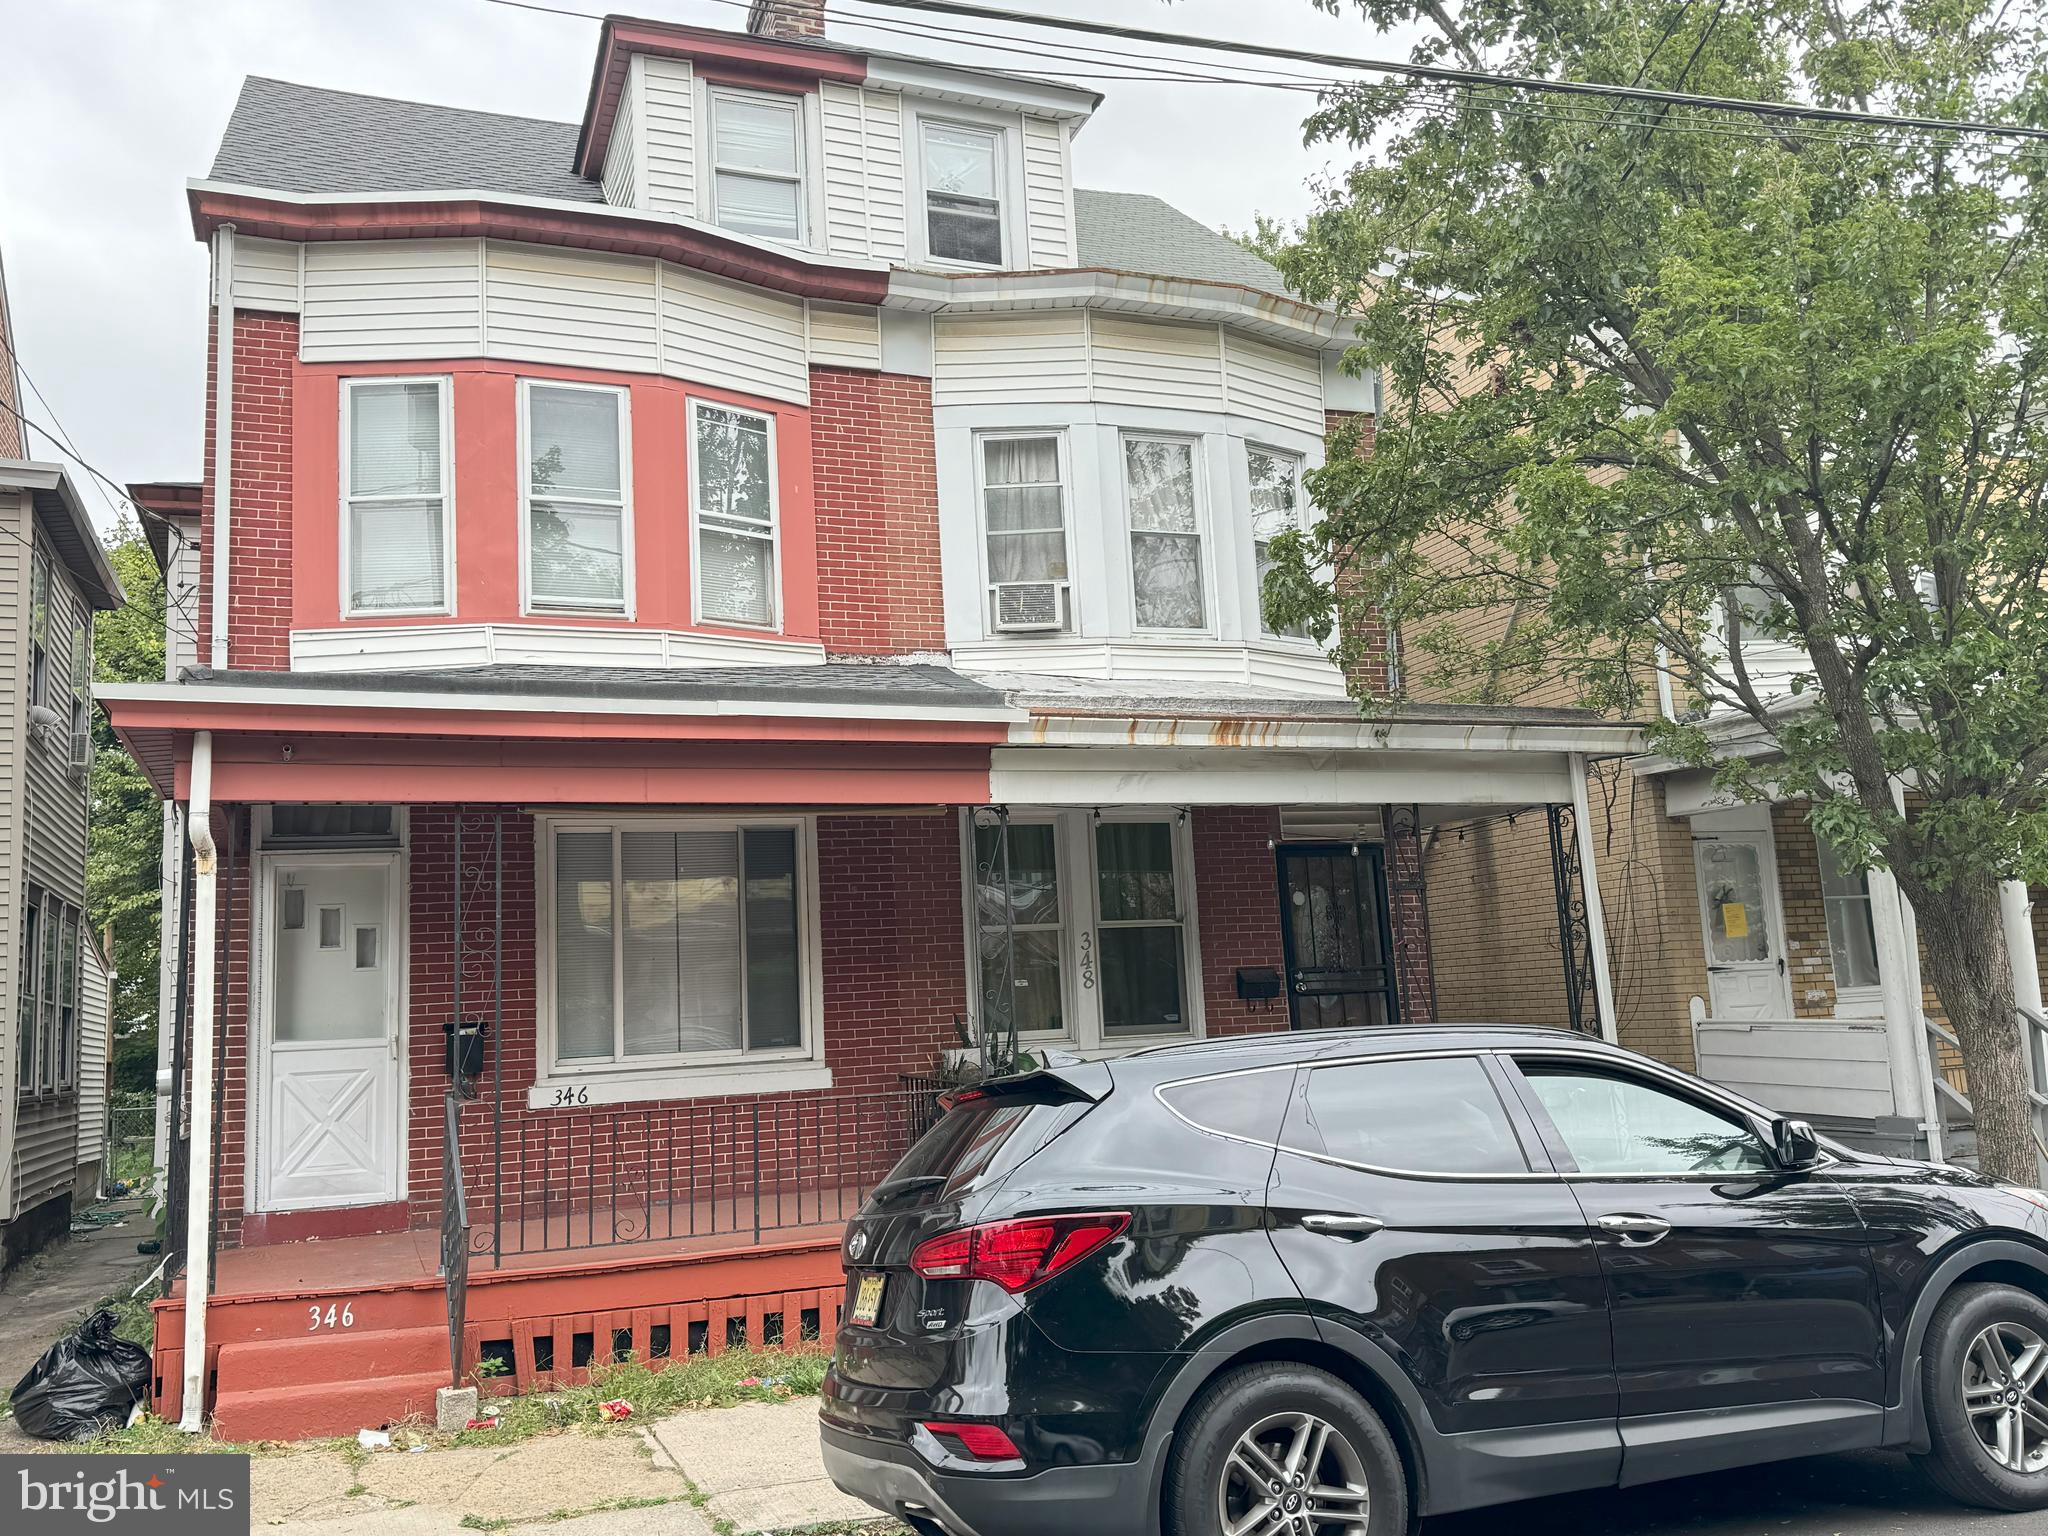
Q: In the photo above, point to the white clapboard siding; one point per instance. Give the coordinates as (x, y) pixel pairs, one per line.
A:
(95, 1003)
(844, 119)
(846, 338)
(267, 275)
(720, 333)
(1799, 1066)
(668, 133)
(1048, 214)
(378, 299)
(885, 196)
(994, 359)
(624, 181)
(581, 309)
(1278, 384)
(1152, 363)
(15, 525)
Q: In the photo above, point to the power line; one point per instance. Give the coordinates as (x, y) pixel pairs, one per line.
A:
(1444, 74)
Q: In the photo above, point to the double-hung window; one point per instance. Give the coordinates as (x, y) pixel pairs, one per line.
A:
(577, 521)
(39, 628)
(81, 699)
(1852, 936)
(27, 1016)
(1276, 509)
(732, 488)
(47, 995)
(757, 164)
(963, 199)
(1024, 498)
(395, 513)
(675, 942)
(1168, 585)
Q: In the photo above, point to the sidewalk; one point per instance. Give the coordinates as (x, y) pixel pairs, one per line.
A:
(706, 1472)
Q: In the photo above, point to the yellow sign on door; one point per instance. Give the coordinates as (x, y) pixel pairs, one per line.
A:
(1735, 919)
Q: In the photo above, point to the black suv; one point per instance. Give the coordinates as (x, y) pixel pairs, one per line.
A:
(1310, 1284)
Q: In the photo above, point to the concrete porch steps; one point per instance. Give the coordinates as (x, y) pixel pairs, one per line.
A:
(314, 1410)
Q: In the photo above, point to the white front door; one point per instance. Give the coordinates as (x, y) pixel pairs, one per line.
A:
(1738, 891)
(329, 1128)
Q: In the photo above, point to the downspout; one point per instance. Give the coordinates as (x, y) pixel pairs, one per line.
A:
(199, 1168)
(223, 437)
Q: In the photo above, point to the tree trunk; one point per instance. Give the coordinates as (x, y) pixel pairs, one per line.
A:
(1971, 969)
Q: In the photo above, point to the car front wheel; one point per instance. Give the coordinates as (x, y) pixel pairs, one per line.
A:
(1279, 1449)
(1984, 1380)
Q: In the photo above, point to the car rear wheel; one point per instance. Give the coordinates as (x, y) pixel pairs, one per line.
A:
(1984, 1379)
(1278, 1449)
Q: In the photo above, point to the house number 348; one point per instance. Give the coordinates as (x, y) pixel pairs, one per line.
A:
(333, 1317)
(1088, 962)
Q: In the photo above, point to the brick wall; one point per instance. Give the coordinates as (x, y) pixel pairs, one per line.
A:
(1237, 909)
(1372, 673)
(1809, 957)
(260, 565)
(875, 476)
(1493, 916)
(1408, 916)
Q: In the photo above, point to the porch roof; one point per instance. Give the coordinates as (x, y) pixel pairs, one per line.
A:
(866, 733)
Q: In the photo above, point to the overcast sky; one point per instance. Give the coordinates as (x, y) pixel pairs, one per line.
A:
(111, 105)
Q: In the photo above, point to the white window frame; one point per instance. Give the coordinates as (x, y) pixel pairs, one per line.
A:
(1080, 960)
(1205, 528)
(1009, 189)
(445, 392)
(1858, 999)
(529, 602)
(1301, 523)
(774, 538)
(1069, 603)
(797, 106)
(680, 1075)
(44, 1071)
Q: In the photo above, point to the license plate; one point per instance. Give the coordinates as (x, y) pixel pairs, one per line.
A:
(867, 1298)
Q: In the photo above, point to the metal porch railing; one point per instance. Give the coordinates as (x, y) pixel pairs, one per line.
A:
(454, 1233)
(1951, 1117)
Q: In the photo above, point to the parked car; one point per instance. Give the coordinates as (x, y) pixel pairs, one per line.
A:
(1297, 1285)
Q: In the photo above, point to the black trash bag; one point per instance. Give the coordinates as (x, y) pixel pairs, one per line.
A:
(83, 1385)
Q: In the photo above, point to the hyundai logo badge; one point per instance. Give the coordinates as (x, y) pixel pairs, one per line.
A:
(856, 1246)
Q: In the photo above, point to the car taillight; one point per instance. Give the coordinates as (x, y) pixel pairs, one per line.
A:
(984, 1442)
(1016, 1254)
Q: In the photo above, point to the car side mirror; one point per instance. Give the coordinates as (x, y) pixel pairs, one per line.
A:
(1794, 1143)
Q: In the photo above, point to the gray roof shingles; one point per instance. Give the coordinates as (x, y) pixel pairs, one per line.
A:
(301, 138)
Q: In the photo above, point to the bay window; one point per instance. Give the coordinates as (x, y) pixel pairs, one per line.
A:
(963, 200)
(1161, 493)
(676, 942)
(1094, 943)
(1023, 496)
(1276, 509)
(574, 491)
(396, 527)
(757, 164)
(732, 493)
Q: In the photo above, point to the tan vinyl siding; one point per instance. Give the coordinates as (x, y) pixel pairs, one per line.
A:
(1279, 384)
(1167, 367)
(583, 311)
(15, 525)
(376, 300)
(1048, 207)
(266, 275)
(624, 181)
(993, 360)
(667, 101)
(742, 338)
(846, 338)
(95, 1031)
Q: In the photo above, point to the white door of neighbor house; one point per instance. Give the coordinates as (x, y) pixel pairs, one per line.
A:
(328, 1133)
(1738, 891)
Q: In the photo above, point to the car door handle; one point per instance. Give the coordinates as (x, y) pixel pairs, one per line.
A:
(1333, 1225)
(1634, 1231)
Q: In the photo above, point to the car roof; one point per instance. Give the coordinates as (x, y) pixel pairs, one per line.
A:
(1307, 1045)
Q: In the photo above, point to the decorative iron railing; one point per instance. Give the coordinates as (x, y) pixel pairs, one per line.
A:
(733, 1168)
(454, 1233)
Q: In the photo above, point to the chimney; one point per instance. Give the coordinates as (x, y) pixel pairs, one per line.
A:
(795, 21)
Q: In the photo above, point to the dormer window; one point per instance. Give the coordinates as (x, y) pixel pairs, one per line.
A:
(757, 164)
(963, 207)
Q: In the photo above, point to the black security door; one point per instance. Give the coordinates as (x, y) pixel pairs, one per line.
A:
(1339, 945)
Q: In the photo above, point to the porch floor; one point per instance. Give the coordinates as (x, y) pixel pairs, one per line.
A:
(563, 1241)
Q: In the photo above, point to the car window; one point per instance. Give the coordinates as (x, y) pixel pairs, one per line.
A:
(1242, 1104)
(1616, 1124)
(1439, 1115)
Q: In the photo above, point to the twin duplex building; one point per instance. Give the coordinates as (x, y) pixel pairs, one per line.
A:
(693, 614)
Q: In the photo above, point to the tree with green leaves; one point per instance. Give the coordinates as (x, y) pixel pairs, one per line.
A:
(125, 858)
(1688, 389)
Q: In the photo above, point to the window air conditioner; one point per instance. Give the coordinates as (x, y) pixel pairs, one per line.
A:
(1029, 607)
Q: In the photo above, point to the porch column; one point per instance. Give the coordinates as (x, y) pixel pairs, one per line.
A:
(1596, 914)
(2017, 908)
(199, 1171)
(1905, 1036)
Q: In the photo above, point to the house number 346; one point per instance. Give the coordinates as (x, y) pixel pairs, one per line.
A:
(343, 1316)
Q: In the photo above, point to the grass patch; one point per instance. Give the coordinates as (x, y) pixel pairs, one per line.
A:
(696, 1381)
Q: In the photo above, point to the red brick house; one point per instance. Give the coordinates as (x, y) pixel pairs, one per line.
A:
(703, 605)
